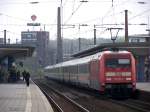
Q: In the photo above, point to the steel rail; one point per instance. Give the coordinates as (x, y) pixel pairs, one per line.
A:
(70, 100)
(129, 106)
(56, 106)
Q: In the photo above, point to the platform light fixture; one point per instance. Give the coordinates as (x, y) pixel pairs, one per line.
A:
(114, 35)
(84, 1)
(141, 2)
(35, 2)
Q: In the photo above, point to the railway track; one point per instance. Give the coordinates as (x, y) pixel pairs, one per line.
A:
(60, 102)
(99, 103)
(137, 105)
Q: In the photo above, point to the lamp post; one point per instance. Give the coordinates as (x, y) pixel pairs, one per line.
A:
(5, 37)
(114, 36)
(94, 34)
(79, 35)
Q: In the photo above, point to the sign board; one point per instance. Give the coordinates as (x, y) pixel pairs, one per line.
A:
(33, 17)
(33, 24)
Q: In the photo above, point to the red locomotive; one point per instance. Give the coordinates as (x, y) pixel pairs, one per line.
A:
(110, 72)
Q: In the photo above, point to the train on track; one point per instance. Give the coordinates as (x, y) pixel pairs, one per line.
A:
(110, 72)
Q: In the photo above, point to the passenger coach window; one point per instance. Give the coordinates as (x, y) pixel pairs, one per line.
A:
(83, 68)
(117, 63)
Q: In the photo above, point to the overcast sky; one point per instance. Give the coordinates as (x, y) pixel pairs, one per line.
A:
(15, 14)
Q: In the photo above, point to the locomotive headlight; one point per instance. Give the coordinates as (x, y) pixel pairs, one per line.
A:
(128, 79)
(108, 79)
(108, 74)
(128, 73)
(123, 74)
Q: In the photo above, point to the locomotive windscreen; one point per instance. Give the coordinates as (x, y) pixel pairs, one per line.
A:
(117, 63)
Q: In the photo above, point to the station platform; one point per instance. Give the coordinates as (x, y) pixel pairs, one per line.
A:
(144, 86)
(17, 97)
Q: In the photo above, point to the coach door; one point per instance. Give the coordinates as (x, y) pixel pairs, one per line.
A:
(94, 72)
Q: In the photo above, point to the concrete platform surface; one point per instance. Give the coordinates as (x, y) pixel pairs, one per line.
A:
(19, 98)
(145, 86)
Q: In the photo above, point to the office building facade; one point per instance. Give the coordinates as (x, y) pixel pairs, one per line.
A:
(39, 40)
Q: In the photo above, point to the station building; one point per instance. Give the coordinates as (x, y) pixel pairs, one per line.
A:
(139, 38)
(39, 40)
(8, 55)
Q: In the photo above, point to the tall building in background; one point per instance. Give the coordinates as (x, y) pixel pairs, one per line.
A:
(139, 38)
(1, 40)
(38, 39)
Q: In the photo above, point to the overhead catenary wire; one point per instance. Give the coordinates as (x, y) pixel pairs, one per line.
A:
(84, 32)
(63, 4)
(16, 18)
(106, 14)
(13, 33)
(103, 26)
(112, 7)
(26, 2)
(73, 5)
(73, 13)
(145, 11)
(73, 10)
(76, 25)
(122, 23)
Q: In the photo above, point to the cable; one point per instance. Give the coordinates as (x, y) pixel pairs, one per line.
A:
(13, 25)
(27, 3)
(14, 33)
(102, 32)
(65, 3)
(13, 17)
(139, 14)
(106, 15)
(91, 30)
(73, 13)
(110, 9)
(73, 5)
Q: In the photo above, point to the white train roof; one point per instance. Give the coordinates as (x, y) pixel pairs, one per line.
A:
(83, 60)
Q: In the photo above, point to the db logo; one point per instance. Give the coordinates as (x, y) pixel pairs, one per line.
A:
(33, 17)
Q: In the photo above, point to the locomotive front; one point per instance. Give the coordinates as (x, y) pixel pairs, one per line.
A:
(119, 73)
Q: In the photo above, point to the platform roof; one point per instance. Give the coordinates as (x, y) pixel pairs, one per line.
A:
(140, 48)
(15, 50)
